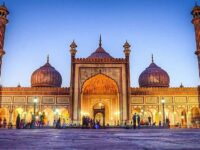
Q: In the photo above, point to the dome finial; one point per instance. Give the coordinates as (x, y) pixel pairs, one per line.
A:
(19, 85)
(48, 58)
(181, 86)
(152, 58)
(100, 42)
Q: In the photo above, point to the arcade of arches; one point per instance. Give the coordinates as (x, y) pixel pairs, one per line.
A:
(179, 116)
(50, 115)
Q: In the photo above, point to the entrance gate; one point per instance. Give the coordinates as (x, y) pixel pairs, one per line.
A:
(99, 111)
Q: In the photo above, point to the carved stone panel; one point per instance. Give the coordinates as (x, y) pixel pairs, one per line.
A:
(193, 99)
(48, 100)
(168, 99)
(137, 100)
(86, 73)
(20, 99)
(62, 100)
(180, 99)
(6, 99)
(31, 98)
(151, 100)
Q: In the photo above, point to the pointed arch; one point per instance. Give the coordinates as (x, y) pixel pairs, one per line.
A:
(100, 84)
(100, 88)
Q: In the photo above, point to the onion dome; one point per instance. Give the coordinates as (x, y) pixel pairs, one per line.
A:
(100, 52)
(46, 76)
(154, 76)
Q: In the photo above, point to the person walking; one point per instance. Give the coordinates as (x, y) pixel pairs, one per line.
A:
(54, 124)
(4, 123)
(134, 121)
(138, 121)
(18, 122)
(58, 124)
(168, 122)
(159, 123)
(149, 119)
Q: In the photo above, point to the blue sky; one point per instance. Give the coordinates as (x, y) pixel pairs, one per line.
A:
(37, 28)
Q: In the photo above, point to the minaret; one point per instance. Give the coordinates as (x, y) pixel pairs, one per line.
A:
(127, 52)
(3, 21)
(196, 21)
(73, 51)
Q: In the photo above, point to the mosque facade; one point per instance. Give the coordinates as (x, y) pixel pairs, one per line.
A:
(100, 88)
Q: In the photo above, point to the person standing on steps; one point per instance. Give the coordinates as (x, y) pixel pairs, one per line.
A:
(134, 120)
(138, 121)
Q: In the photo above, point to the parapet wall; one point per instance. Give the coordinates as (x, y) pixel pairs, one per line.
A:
(165, 91)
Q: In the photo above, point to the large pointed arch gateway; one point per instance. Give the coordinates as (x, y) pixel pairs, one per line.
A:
(100, 99)
(100, 80)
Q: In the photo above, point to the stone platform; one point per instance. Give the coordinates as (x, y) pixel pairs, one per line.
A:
(106, 139)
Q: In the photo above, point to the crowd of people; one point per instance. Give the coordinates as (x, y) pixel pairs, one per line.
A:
(88, 122)
(38, 123)
(137, 122)
(22, 124)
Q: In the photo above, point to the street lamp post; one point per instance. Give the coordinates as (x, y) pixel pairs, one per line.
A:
(163, 105)
(35, 100)
(10, 113)
(56, 113)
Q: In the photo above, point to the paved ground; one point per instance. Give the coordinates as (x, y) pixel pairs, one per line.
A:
(106, 139)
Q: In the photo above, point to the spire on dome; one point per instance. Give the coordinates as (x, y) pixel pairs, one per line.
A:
(48, 58)
(100, 41)
(152, 60)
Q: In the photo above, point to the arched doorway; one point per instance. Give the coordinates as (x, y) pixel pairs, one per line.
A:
(183, 118)
(18, 111)
(195, 116)
(49, 116)
(99, 113)
(64, 116)
(100, 89)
